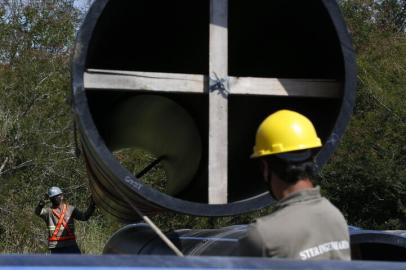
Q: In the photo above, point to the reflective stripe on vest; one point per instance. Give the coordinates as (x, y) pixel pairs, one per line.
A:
(61, 221)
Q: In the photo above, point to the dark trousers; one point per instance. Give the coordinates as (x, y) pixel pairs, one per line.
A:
(65, 250)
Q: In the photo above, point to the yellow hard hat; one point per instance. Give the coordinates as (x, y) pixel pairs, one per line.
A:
(285, 131)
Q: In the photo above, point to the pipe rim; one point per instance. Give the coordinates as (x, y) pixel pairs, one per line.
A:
(163, 201)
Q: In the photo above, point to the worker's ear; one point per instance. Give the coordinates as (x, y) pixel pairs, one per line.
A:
(265, 169)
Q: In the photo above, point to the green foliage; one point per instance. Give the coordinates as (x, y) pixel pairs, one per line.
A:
(36, 147)
(367, 176)
(371, 20)
(136, 160)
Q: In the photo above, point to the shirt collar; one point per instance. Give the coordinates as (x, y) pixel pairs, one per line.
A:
(300, 196)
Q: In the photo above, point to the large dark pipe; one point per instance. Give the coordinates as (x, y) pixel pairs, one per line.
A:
(268, 39)
(140, 239)
(378, 245)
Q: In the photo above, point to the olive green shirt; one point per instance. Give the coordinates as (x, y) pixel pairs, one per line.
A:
(304, 226)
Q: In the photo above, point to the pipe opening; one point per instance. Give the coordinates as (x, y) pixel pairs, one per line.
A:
(144, 165)
(159, 36)
(284, 39)
(378, 252)
(302, 41)
(245, 115)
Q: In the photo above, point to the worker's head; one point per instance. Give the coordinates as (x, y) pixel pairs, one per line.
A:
(55, 194)
(283, 144)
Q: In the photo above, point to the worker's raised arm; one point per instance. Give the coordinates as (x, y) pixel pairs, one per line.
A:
(86, 215)
(39, 210)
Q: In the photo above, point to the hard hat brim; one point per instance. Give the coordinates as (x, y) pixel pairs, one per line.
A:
(287, 152)
(55, 195)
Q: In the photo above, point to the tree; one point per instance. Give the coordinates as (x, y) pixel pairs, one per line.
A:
(367, 176)
(36, 146)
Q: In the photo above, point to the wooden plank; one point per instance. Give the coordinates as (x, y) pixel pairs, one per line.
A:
(196, 83)
(285, 87)
(218, 104)
(148, 81)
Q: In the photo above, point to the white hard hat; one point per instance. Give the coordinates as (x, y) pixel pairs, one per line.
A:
(54, 191)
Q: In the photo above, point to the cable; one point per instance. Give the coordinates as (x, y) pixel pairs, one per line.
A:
(155, 228)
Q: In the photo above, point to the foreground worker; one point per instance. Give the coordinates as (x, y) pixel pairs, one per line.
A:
(304, 225)
(60, 221)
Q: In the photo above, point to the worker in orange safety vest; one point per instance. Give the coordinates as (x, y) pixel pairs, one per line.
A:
(60, 221)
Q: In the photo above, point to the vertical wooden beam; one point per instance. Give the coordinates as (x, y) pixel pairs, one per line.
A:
(218, 108)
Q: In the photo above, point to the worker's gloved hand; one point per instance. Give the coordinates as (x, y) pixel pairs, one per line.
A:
(43, 199)
(41, 202)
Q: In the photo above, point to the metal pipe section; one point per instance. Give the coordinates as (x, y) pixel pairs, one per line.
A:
(305, 40)
(139, 239)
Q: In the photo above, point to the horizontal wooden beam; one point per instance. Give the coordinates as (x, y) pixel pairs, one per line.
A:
(197, 83)
(148, 81)
(285, 87)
